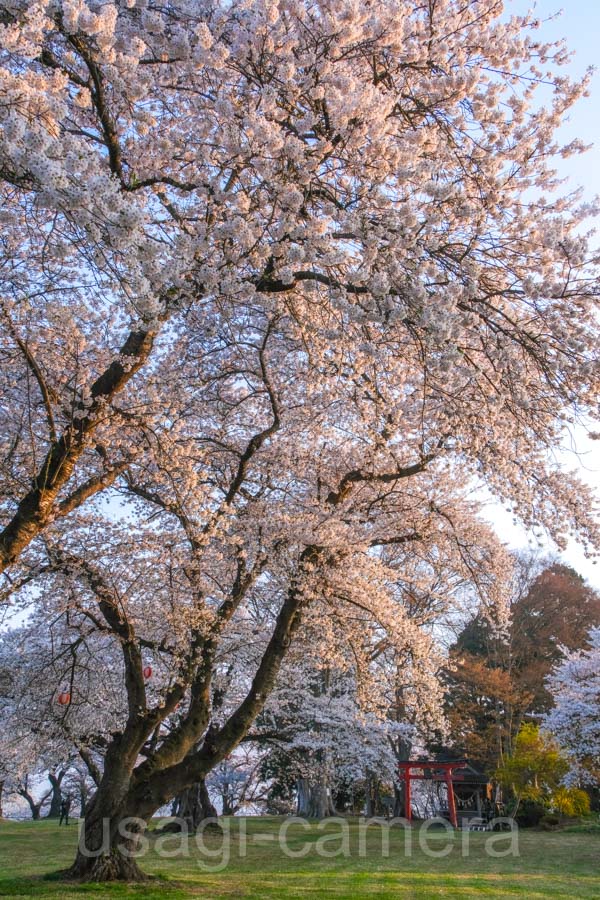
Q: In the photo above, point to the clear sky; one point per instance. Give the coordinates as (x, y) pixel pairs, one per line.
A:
(579, 24)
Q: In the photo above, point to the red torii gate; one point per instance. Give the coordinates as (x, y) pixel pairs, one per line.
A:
(430, 771)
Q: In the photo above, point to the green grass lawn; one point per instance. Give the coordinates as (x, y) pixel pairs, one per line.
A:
(548, 865)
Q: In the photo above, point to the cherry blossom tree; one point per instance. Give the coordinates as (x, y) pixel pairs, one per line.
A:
(79, 785)
(281, 284)
(237, 781)
(37, 743)
(575, 718)
(326, 744)
(331, 724)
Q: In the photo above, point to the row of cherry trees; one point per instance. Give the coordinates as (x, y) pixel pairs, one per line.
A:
(280, 285)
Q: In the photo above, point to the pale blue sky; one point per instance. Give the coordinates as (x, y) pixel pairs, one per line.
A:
(579, 24)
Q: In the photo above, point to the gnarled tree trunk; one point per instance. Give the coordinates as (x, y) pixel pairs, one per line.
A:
(193, 807)
(109, 840)
(374, 806)
(56, 796)
(107, 850)
(112, 827)
(314, 799)
(34, 805)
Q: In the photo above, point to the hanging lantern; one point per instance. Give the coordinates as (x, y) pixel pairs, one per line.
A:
(147, 672)
(64, 698)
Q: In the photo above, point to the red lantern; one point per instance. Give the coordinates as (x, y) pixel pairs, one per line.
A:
(147, 671)
(64, 698)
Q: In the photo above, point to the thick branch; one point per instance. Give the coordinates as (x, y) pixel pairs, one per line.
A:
(119, 624)
(39, 377)
(95, 773)
(183, 738)
(396, 539)
(89, 488)
(219, 743)
(37, 507)
(356, 477)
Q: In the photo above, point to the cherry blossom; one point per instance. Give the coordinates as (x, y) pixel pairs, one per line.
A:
(575, 717)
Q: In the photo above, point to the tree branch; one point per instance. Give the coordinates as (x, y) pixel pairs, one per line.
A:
(36, 508)
(356, 476)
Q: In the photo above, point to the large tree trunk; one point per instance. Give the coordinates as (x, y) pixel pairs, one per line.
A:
(115, 821)
(400, 800)
(314, 799)
(108, 841)
(193, 807)
(113, 824)
(56, 797)
(1, 792)
(34, 805)
(111, 834)
(106, 853)
(117, 816)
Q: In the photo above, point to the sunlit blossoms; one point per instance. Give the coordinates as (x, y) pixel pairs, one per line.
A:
(575, 718)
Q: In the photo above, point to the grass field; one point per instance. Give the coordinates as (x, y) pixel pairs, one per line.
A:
(547, 865)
